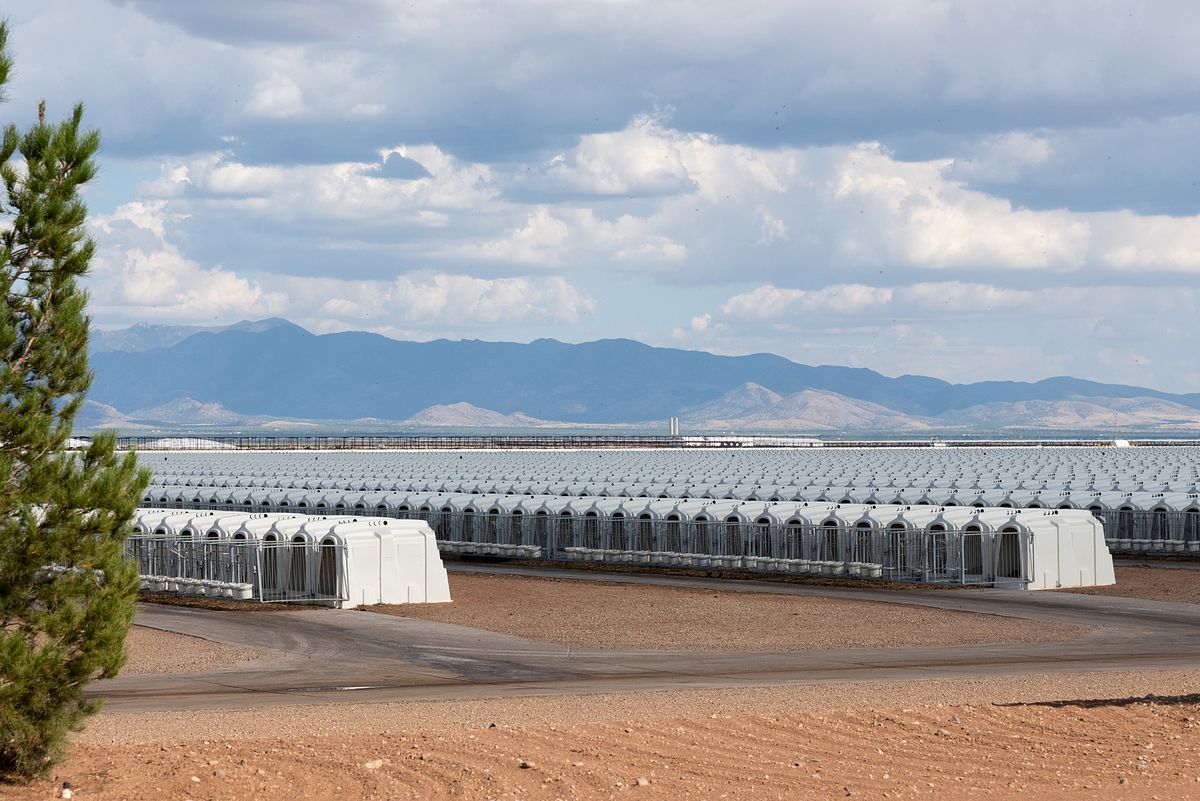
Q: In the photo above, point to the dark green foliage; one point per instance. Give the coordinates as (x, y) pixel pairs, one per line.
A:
(66, 591)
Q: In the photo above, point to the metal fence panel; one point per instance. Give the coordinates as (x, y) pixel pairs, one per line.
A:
(264, 571)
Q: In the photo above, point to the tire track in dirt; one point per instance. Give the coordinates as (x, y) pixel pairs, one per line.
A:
(1124, 750)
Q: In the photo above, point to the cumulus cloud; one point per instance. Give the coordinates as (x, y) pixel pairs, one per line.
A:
(859, 205)
(644, 158)
(423, 300)
(540, 241)
(1129, 241)
(773, 303)
(550, 237)
(359, 193)
(966, 331)
(687, 206)
(781, 72)
(959, 299)
(446, 297)
(277, 96)
(773, 229)
(138, 272)
(1003, 157)
(912, 213)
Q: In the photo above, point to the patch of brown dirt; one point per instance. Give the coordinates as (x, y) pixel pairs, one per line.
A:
(596, 615)
(1151, 584)
(153, 651)
(221, 604)
(1139, 750)
(313, 720)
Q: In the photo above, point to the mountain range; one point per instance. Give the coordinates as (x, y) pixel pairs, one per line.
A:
(186, 413)
(272, 373)
(752, 407)
(147, 336)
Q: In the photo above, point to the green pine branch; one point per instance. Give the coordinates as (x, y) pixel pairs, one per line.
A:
(67, 591)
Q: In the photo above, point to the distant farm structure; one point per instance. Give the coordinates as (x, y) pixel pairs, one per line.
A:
(932, 514)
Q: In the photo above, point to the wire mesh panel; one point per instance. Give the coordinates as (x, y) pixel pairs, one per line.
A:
(269, 570)
(618, 537)
(903, 554)
(1139, 530)
(828, 543)
(302, 571)
(863, 542)
(792, 541)
(973, 559)
(759, 540)
(899, 553)
(564, 533)
(939, 567)
(1008, 556)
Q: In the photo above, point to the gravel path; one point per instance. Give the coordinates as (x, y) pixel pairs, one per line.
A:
(597, 615)
(155, 652)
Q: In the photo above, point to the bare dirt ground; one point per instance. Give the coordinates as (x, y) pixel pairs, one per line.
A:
(587, 614)
(1152, 584)
(999, 737)
(152, 651)
(563, 710)
(880, 741)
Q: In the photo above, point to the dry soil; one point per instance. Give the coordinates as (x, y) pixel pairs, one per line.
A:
(668, 746)
(597, 615)
(1001, 737)
(153, 651)
(1152, 584)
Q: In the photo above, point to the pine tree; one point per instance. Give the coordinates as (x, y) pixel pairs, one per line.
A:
(67, 592)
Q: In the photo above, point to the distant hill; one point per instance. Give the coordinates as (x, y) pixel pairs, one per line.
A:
(747, 400)
(189, 413)
(147, 336)
(178, 413)
(464, 415)
(94, 415)
(1078, 414)
(754, 407)
(186, 410)
(274, 369)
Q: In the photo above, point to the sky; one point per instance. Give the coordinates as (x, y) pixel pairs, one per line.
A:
(969, 190)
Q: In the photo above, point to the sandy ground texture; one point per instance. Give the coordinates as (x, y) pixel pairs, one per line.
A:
(592, 615)
(562, 710)
(153, 651)
(1133, 736)
(701, 745)
(1152, 584)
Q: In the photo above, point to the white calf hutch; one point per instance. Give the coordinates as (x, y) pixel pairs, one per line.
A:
(997, 547)
(339, 560)
(1148, 498)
